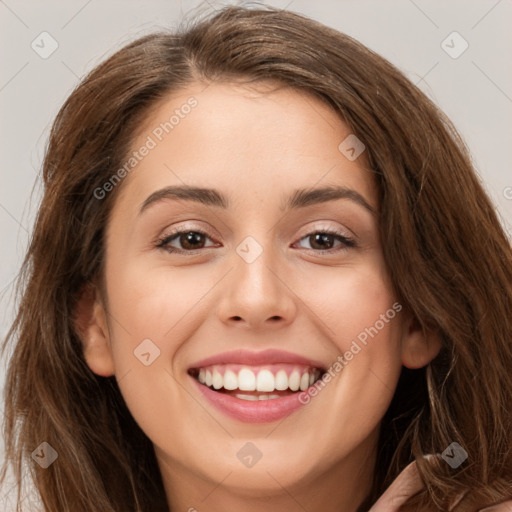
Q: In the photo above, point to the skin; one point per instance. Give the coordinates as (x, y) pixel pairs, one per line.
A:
(409, 483)
(256, 146)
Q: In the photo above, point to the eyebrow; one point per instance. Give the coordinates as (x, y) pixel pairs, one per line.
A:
(300, 198)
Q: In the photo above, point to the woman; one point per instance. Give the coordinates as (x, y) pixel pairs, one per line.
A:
(263, 275)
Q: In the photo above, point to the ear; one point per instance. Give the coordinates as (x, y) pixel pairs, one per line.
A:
(418, 347)
(91, 326)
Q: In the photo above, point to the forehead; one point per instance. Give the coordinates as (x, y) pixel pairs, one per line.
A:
(253, 142)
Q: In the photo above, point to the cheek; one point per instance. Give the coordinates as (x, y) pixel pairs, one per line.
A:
(363, 320)
(144, 305)
(150, 321)
(356, 304)
(368, 315)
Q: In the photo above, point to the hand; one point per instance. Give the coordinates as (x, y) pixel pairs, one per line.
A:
(408, 483)
(506, 506)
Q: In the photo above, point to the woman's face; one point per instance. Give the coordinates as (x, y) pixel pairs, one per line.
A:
(278, 278)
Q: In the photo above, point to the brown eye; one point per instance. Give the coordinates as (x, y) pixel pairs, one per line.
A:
(186, 241)
(191, 240)
(325, 241)
(321, 241)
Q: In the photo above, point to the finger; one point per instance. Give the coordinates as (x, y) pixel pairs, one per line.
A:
(403, 487)
(506, 506)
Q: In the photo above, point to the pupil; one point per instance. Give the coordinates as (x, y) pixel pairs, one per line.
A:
(323, 239)
(192, 238)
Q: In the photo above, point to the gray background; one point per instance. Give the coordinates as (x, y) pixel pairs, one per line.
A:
(474, 89)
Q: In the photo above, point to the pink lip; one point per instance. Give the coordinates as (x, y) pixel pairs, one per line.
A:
(261, 411)
(246, 357)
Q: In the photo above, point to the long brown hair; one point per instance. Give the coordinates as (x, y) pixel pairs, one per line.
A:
(447, 254)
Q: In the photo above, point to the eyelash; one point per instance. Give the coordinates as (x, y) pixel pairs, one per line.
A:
(162, 243)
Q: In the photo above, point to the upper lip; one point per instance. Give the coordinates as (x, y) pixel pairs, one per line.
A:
(249, 358)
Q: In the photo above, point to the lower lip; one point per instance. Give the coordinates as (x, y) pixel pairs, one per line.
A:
(261, 411)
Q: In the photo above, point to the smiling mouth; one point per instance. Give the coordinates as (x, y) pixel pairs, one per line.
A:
(252, 383)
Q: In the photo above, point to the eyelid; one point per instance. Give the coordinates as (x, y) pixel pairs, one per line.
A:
(164, 238)
(348, 241)
(348, 233)
(178, 228)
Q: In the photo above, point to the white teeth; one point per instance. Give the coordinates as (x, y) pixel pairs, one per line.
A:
(294, 381)
(217, 380)
(281, 380)
(265, 381)
(255, 398)
(246, 380)
(230, 380)
(304, 382)
(252, 398)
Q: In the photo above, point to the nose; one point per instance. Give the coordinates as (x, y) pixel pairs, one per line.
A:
(256, 295)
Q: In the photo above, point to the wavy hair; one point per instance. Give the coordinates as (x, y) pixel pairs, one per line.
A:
(448, 256)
